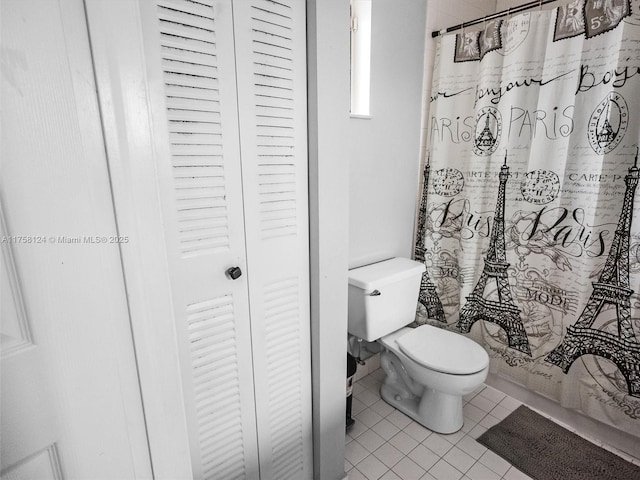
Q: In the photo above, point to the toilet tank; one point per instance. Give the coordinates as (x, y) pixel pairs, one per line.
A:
(383, 297)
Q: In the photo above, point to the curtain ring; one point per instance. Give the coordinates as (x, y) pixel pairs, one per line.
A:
(540, 6)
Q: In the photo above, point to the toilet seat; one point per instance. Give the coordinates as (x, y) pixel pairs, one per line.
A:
(443, 351)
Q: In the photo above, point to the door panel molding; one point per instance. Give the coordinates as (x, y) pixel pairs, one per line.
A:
(76, 385)
(15, 331)
(43, 465)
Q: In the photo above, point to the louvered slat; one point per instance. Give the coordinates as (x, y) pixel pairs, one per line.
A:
(173, 91)
(282, 329)
(196, 7)
(271, 98)
(278, 194)
(211, 327)
(192, 68)
(189, 63)
(272, 44)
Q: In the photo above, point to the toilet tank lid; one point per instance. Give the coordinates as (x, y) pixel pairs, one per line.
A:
(371, 277)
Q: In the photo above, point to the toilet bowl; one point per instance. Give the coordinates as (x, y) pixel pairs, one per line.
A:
(427, 369)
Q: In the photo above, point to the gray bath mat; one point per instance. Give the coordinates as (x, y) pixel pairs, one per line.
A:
(546, 451)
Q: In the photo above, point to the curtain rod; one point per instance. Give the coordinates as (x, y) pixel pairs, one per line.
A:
(503, 13)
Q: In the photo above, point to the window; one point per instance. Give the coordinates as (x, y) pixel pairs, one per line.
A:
(360, 57)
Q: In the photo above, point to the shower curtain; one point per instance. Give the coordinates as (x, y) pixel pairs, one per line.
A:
(529, 223)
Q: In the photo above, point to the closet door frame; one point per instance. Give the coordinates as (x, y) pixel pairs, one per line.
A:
(127, 104)
(121, 77)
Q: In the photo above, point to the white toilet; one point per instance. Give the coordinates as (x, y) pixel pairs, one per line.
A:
(428, 369)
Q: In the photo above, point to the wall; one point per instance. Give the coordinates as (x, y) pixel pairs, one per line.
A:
(506, 4)
(364, 175)
(384, 151)
(328, 110)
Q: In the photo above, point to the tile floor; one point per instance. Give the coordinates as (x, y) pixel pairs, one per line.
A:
(385, 444)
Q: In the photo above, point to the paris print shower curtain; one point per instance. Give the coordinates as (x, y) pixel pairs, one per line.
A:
(529, 222)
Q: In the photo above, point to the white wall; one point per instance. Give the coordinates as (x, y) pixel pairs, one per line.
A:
(506, 4)
(384, 151)
(328, 80)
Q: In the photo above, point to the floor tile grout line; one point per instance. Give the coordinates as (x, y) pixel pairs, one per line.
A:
(500, 405)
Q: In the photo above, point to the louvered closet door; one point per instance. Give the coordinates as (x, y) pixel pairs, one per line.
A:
(271, 66)
(230, 78)
(191, 68)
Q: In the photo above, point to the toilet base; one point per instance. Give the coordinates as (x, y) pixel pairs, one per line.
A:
(434, 409)
(437, 411)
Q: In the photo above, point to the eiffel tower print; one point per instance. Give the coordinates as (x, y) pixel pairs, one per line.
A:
(605, 134)
(428, 295)
(485, 139)
(612, 288)
(503, 312)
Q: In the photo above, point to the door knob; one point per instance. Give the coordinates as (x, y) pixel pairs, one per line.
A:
(234, 273)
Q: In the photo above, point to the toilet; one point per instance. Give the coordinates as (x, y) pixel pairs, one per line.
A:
(427, 369)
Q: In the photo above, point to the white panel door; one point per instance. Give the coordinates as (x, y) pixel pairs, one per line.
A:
(271, 64)
(69, 396)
